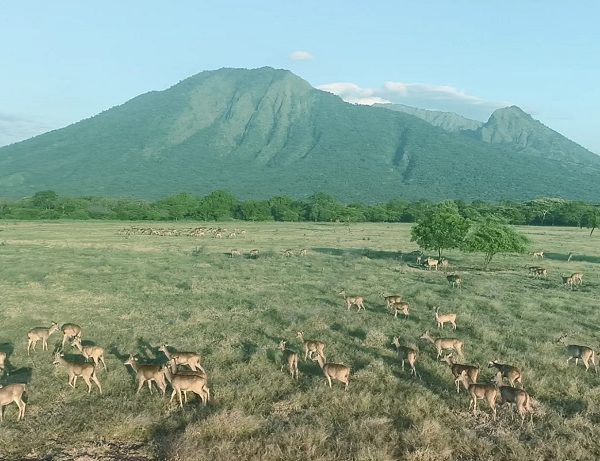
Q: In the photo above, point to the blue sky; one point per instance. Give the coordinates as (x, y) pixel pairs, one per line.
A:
(63, 61)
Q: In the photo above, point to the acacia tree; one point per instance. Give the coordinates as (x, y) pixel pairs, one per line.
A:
(441, 228)
(491, 237)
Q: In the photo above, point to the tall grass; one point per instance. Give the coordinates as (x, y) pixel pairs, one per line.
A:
(133, 294)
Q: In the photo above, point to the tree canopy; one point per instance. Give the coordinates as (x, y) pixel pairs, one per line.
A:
(491, 236)
(442, 228)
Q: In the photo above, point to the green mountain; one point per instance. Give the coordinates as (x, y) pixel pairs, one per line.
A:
(449, 121)
(265, 132)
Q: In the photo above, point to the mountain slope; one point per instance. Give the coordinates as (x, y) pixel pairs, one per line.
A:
(265, 132)
(448, 121)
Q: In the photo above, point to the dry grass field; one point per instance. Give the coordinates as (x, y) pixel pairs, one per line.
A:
(131, 294)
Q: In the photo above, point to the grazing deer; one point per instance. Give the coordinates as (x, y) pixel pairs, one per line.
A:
(254, 253)
(288, 253)
(234, 252)
(401, 306)
(336, 371)
(406, 353)
(512, 373)
(13, 393)
(70, 330)
(540, 272)
(193, 382)
(96, 353)
(419, 258)
(2, 361)
(444, 264)
(86, 370)
(311, 346)
(303, 252)
(489, 392)
(431, 263)
(290, 357)
(191, 359)
(148, 373)
(520, 398)
(35, 334)
(586, 354)
(457, 369)
(577, 278)
(442, 344)
(538, 254)
(442, 319)
(454, 280)
(391, 300)
(357, 301)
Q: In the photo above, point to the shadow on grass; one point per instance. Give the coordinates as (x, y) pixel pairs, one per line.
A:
(360, 252)
(574, 259)
(248, 350)
(568, 407)
(18, 376)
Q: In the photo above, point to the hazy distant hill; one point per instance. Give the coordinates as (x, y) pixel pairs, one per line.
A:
(449, 121)
(265, 132)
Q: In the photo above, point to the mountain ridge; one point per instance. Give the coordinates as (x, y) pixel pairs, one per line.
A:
(265, 132)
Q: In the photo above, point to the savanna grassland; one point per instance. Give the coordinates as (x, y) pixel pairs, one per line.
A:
(132, 294)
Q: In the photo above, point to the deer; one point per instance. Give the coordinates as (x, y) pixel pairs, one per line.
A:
(511, 373)
(290, 357)
(2, 361)
(444, 264)
(311, 346)
(147, 373)
(35, 334)
(303, 252)
(520, 398)
(457, 368)
(538, 254)
(540, 272)
(419, 259)
(586, 354)
(431, 263)
(454, 280)
(489, 392)
(568, 281)
(357, 301)
(96, 353)
(13, 393)
(193, 382)
(442, 319)
(70, 330)
(406, 353)
(577, 278)
(442, 344)
(86, 370)
(391, 300)
(401, 306)
(234, 252)
(288, 253)
(191, 359)
(337, 371)
(254, 253)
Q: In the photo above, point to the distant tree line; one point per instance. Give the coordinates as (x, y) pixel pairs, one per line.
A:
(321, 207)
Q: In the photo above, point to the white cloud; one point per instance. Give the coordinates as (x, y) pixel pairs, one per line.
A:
(301, 56)
(15, 128)
(422, 95)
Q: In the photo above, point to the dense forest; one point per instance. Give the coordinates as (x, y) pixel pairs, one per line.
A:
(221, 205)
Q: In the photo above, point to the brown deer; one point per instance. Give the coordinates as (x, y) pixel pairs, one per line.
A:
(401, 306)
(86, 370)
(13, 393)
(457, 369)
(487, 392)
(192, 382)
(96, 353)
(406, 353)
(191, 359)
(36, 334)
(391, 300)
(442, 319)
(586, 354)
(519, 398)
(336, 371)
(311, 346)
(70, 330)
(511, 373)
(148, 373)
(442, 344)
(357, 301)
(454, 280)
(290, 357)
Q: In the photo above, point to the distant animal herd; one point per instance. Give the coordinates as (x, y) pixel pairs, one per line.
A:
(194, 377)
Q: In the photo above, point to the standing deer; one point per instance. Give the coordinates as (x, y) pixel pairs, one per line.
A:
(353, 301)
(457, 369)
(391, 300)
(454, 280)
(489, 392)
(191, 359)
(442, 319)
(96, 353)
(2, 361)
(193, 382)
(290, 357)
(538, 254)
(86, 370)
(147, 373)
(70, 330)
(336, 371)
(311, 346)
(586, 354)
(13, 393)
(398, 307)
(406, 353)
(431, 263)
(519, 398)
(442, 344)
(35, 334)
(512, 373)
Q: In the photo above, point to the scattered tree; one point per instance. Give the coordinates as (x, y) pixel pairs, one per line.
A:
(442, 228)
(491, 236)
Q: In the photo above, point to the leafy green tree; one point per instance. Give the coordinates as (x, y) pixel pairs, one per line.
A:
(592, 219)
(217, 205)
(45, 200)
(491, 236)
(442, 228)
(253, 210)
